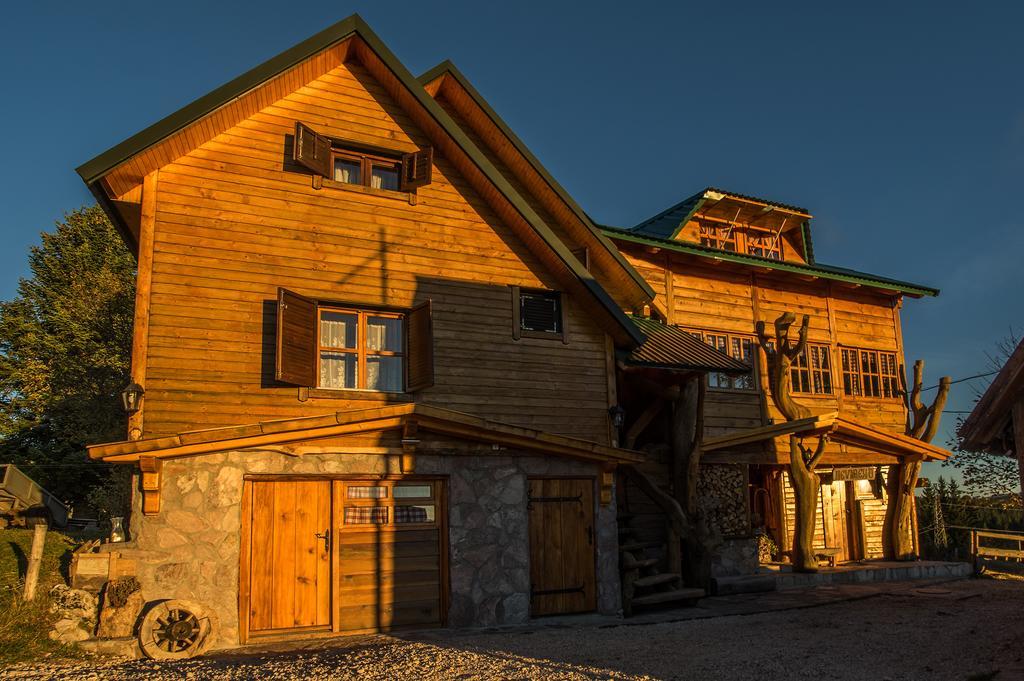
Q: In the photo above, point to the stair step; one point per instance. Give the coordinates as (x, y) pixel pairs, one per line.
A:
(646, 562)
(668, 596)
(640, 545)
(626, 530)
(655, 580)
(624, 515)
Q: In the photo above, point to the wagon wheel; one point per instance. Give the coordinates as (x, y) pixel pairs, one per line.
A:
(174, 630)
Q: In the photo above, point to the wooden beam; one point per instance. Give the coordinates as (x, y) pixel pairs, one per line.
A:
(151, 469)
(1018, 438)
(143, 294)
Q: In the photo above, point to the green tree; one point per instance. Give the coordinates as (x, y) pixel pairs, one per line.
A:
(65, 348)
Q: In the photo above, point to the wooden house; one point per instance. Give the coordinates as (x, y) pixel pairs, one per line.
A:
(381, 357)
(720, 262)
(996, 424)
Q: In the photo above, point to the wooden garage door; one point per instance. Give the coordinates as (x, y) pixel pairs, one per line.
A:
(390, 553)
(288, 563)
(561, 519)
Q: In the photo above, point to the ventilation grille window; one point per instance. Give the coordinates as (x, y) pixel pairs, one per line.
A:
(541, 312)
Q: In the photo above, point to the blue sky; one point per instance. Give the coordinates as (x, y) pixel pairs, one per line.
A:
(900, 125)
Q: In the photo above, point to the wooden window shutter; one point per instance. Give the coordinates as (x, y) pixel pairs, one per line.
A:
(296, 339)
(420, 350)
(417, 168)
(312, 150)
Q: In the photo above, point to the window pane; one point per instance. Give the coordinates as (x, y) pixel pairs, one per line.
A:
(384, 333)
(384, 373)
(369, 492)
(338, 370)
(338, 329)
(384, 177)
(366, 515)
(346, 170)
(413, 491)
(414, 514)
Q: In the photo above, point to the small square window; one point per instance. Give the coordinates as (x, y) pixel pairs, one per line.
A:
(540, 311)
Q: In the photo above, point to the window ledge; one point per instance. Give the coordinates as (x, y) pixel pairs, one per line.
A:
(543, 335)
(364, 395)
(410, 197)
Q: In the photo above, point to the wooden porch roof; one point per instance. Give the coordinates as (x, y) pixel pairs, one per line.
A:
(426, 418)
(841, 430)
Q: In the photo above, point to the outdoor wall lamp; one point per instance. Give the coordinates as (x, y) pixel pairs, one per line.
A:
(131, 397)
(618, 415)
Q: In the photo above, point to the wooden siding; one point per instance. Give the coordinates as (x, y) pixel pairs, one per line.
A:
(726, 298)
(236, 219)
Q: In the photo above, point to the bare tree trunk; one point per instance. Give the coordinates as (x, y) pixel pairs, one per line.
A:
(687, 431)
(922, 424)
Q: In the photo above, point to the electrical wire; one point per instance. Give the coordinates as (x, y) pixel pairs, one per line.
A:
(961, 380)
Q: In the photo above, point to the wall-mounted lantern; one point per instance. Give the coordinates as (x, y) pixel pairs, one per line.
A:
(131, 397)
(618, 415)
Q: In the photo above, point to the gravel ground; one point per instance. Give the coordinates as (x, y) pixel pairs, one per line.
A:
(961, 630)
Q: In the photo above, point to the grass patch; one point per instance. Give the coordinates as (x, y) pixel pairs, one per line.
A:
(25, 626)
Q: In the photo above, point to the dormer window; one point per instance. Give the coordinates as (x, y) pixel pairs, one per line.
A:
(765, 245)
(719, 236)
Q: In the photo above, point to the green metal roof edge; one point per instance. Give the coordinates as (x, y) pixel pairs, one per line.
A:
(824, 271)
(447, 66)
(94, 169)
(689, 216)
(344, 28)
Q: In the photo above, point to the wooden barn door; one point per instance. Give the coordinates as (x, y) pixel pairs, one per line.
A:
(288, 555)
(561, 522)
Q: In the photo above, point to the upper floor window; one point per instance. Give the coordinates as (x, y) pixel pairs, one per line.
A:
(346, 347)
(737, 347)
(765, 245)
(368, 170)
(812, 371)
(360, 164)
(538, 313)
(870, 373)
(717, 236)
(361, 350)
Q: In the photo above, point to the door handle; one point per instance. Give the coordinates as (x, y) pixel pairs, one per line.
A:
(326, 536)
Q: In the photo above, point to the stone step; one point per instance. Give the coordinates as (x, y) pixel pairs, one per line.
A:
(743, 584)
(656, 580)
(626, 531)
(639, 545)
(673, 596)
(646, 562)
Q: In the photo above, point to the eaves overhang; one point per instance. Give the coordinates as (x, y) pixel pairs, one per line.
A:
(817, 270)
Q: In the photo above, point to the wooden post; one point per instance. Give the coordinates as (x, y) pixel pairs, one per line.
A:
(1018, 440)
(35, 560)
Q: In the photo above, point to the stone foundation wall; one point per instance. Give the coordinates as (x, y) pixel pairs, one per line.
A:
(190, 550)
(737, 556)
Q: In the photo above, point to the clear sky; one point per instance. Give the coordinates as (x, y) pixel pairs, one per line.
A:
(899, 125)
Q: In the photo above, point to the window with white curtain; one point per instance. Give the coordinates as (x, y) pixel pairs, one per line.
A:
(361, 350)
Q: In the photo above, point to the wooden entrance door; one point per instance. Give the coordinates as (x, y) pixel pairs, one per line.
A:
(289, 555)
(835, 517)
(561, 522)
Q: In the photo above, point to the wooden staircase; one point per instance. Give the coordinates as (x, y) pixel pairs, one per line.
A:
(650, 566)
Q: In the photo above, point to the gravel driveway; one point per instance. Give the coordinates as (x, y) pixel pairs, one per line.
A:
(961, 630)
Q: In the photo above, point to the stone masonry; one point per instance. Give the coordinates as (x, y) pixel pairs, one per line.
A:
(190, 550)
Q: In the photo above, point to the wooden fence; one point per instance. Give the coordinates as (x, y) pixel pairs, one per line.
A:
(1003, 545)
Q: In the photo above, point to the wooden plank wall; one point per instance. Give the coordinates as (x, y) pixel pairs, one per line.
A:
(731, 299)
(234, 222)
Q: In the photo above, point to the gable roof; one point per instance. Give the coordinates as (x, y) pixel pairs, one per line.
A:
(981, 429)
(669, 347)
(426, 418)
(829, 272)
(96, 171)
(841, 430)
(447, 68)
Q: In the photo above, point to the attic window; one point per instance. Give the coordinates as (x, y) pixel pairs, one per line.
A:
(359, 164)
(538, 314)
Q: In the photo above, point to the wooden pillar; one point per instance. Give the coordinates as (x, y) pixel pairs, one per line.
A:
(35, 560)
(1018, 440)
(143, 289)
